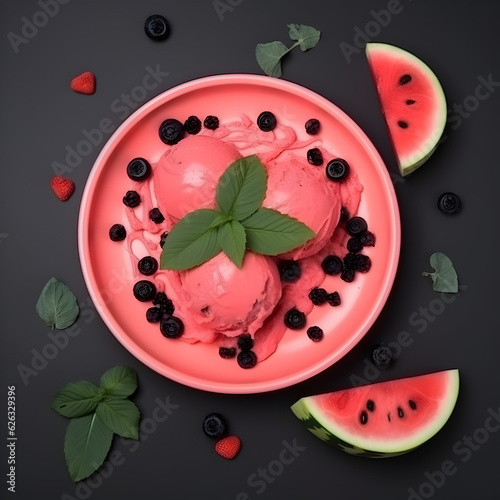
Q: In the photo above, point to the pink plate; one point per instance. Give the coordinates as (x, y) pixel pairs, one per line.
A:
(107, 267)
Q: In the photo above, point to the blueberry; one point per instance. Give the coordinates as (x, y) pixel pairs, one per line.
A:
(171, 131)
(192, 125)
(117, 232)
(295, 319)
(315, 333)
(363, 264)
(449, 203)
(163, 238)
(312, 126)
(266, 121)
(138, 169)
(344, 215)
(356, 225)
(214, 425)
(245, 342)
(154, 314)
(171, 327)
(354, 245)
(347, 275)
(382, 356)
(132, 199)
(148, 265)
(211, 122)
(157, 27)
(367, 239)
(247, 359)
(156, 216)
(289, 270)
(227, 352)
(164, 303)
(144, 290)
(315, 157)
(318, 296)
(332, 265)
(337, 169)
(333, 299)
(351, 261)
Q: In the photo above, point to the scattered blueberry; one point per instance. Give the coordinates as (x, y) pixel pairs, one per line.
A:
(363, 264)
(315, 157)
(247, 359)
(171, 327)
(344, 215)
(148, 265)
(154, 315)
(337, 169)
(171, 131)
(157, 27)
(289, 270)
(295, 319)
(382, 356)
(227, 352)
(318, 296)
(132, 199)
(354, 245)
(117, 232)
(156, 216)
(163, 238)
(266, 121)
(449, 203)
(214, 425)
(332, 265)
(192, 125)
(164, 303)
(356, 225)
(245, 342)
(144, 290)
(312, 126)
(138, 169)
(315, 333)
(367, 239)
(347, 275)
(211, 122)
(333, 299)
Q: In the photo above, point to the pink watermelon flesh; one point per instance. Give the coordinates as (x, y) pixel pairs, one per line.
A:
(412, 101)
(390, 417)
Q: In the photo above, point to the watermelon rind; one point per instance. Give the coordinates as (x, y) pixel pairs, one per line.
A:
(409, 163)
(325, 428)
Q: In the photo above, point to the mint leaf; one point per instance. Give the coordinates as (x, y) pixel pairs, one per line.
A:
(307, 36)
(242, 187)
(57, 305)
(121, 416)
(269, 57)
(86, 444)
(444, 278)
(232, 240)
(270, 232)
(119, 382)
(76, 399)
(192, 241)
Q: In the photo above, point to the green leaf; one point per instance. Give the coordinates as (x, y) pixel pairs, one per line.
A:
(232, 240)
(269, 57)
(242, 187)
(121, 416)
(307, 36)
(192, 241)
(76, 399)
(119, 382)
(270, 232)
(57, 305)
(444, 278)
(86, 444)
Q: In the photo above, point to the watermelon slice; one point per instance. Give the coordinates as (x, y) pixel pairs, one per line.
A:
(412, 101)
(383, 419)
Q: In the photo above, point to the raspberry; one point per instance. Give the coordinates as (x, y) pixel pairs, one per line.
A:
(164, 303)
(227, 352)
(364, 264)
(333, 299)
(315, 157)
(312, 126)
(318, 296)
(117, 232)
(211, 122)
(315, 333)
(156, 216)
(382, 356)
(347, 275)
(192, 125)
(367, 239)
(132, 199)
(245, 342)
(351, 261)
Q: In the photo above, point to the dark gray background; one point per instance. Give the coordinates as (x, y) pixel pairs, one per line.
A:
(40, 117)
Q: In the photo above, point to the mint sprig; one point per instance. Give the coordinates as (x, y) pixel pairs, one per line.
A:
(269, 55)
(97, 413)
(444, 277)
(238, 223)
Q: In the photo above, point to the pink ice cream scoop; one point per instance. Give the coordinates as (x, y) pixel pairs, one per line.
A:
(186, 176)
(220, 296)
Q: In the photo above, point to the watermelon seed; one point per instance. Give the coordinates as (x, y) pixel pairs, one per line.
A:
(410, 101)
(405, 79)
(389, 416)
(402, 124)
(400, 413)
(370, 405)
(363, 418)
(412, 404)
